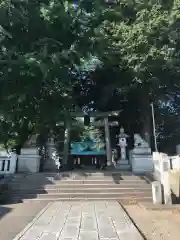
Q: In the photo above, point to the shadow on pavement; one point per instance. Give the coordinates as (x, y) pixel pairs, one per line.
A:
(28, 186)
(4, 210)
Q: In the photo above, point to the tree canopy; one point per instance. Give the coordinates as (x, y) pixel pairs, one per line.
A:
(138, 46)
(42, 45)
(57, 56)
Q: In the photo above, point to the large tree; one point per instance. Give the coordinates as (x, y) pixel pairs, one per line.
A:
(138, 47)
(42, 45)
(57, 55)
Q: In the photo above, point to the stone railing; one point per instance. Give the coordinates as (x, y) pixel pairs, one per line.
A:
(174, 175)
(161, 162)
(8, 163)
(174, 162)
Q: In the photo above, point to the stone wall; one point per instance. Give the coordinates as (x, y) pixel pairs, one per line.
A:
(140, 156)
(29, 160)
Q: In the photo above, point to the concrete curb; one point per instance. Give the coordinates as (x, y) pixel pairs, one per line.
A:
(18, 237)
(137, 228)
(159, 207)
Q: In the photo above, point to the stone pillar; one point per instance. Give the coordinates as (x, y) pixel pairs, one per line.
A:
(178, 149)
(52, 161)
(147, 138)
(156, 192)
(174, 181)
(164, 171)
(29, 160)
(141, 157)
(66, 142)
(166, 188)
(13, 161)
(108, 143)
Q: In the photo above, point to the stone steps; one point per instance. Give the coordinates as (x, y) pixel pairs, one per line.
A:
(80, 186)
(88, 194)
(125, 200)
(61, 177)
(4, 187)
(80, 190)
(75, 173)
(66, 183)
(123, 166)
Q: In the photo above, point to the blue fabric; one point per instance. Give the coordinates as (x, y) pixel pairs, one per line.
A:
(88, 153)
(86, 148)
(78, 146)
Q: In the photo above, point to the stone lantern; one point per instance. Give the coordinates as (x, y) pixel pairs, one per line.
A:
(123, 143)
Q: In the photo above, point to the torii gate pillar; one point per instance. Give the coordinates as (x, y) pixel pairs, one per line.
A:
(108, 143)
(66, 142)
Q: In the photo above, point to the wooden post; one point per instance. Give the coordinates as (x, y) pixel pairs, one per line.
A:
(108, 143)
(66, 141)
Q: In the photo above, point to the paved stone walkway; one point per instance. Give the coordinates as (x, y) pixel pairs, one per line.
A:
(81, 221)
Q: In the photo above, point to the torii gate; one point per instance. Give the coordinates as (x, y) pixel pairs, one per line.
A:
(104, 123)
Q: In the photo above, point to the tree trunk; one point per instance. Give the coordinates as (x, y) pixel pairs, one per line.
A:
(146, 118)
(66, 142)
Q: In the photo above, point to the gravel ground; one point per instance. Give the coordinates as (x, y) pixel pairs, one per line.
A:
(156, 225)
(14, 217)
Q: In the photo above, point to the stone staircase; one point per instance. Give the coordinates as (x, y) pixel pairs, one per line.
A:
(123, 165)
(80, 185)
(4, 187)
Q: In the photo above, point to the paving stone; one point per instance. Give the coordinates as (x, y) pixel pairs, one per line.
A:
(52, 210)
(75, 213)
(88, 223)
(128, 235)
(73, 220)
(27, 238)
(107, 233)
(62, 214)
(104, 223)
(83, 221)
(129, 232)
(43, 221)
(34, 232)
(68, 238)
(70, 231)
(88, 235)
(49, 236)
(54, 227)
(109, 238)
